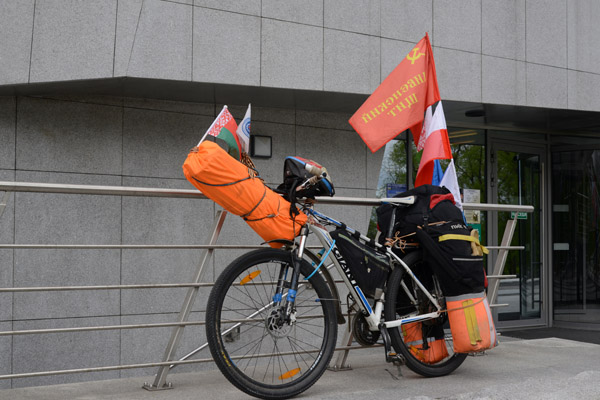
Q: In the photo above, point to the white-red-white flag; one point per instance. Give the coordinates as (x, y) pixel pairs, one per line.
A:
(434, 142)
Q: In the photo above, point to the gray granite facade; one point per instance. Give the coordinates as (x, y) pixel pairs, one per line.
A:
(323, 45)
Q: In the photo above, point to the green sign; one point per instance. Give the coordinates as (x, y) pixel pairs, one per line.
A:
(520, 215)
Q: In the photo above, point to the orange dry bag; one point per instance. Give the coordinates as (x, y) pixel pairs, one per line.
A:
(471, 323)
(228, 183)
(434, 351)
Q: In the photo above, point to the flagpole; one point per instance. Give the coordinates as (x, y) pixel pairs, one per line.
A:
(211, 125)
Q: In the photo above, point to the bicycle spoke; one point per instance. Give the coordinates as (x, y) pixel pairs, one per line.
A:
(281, 360)
(296, 355)
(304, 343)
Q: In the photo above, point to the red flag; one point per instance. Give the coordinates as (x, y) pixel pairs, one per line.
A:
(400, 101)
(434, 142)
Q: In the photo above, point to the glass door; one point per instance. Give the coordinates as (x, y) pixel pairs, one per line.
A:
(517, 178)
(576, 234)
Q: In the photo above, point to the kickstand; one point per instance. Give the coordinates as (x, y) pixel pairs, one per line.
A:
(398, 361)
(398, 365)
(390, 355)
(398, 374)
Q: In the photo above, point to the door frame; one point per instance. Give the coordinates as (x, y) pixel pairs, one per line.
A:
(497, 142)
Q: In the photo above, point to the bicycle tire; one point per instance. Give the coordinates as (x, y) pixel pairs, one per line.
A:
(245, 290)
(398, 305)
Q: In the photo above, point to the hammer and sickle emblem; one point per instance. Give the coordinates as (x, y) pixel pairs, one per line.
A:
(415, 55)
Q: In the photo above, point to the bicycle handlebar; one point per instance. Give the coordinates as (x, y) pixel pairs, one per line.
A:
(318, 174)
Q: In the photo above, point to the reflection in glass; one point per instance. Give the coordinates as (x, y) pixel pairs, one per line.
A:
(576, 229)
(392, 176)
(518, 182)
(468, 150)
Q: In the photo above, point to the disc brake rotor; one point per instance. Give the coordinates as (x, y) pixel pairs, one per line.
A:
(276, 326)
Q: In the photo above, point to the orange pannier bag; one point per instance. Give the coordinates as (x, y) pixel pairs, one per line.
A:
(230, 184)
(436, 351)
(471, 323)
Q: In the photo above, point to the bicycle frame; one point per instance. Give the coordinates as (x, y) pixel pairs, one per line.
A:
(373, 317)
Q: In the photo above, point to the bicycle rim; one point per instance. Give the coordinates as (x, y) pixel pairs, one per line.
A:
(258, 354)
(437, 357)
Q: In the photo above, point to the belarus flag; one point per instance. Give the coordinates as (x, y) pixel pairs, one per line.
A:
(223, 131)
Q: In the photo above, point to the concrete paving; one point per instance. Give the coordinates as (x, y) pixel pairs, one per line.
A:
(547, 368)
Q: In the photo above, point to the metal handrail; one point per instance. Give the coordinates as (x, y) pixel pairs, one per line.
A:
(103, 287)
(193, 286)
(145, 365)
(98, 190)
(182, 193)
(130, 326)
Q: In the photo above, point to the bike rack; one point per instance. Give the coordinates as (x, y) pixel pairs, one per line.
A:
(168, 363)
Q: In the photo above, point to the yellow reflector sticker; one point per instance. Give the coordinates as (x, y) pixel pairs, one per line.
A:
(249, 277)
(289, 374)
(471, 320)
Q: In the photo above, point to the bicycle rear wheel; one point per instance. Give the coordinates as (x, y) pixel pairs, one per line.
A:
(256, 351)
(437, 357)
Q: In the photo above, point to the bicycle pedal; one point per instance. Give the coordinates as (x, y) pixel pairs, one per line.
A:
(390, 355)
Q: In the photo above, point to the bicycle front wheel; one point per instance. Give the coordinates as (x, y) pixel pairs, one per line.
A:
(426, 345)
(253, 347)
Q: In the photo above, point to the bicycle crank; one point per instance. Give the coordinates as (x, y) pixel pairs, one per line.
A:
(361, 332)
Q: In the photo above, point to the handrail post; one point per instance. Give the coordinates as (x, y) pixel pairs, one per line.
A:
(4, 202)
(501, 259)
(342, 357)
(177, 333)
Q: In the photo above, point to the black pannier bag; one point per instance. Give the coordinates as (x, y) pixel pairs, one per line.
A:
(447, 250)
(432, 204)
(369, 267)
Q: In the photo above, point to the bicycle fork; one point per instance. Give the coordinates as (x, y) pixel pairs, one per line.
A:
(285, 303)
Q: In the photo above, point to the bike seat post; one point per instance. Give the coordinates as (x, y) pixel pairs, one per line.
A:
(390, 232)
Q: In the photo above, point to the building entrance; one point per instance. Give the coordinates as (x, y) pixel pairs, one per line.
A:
(517, 177)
